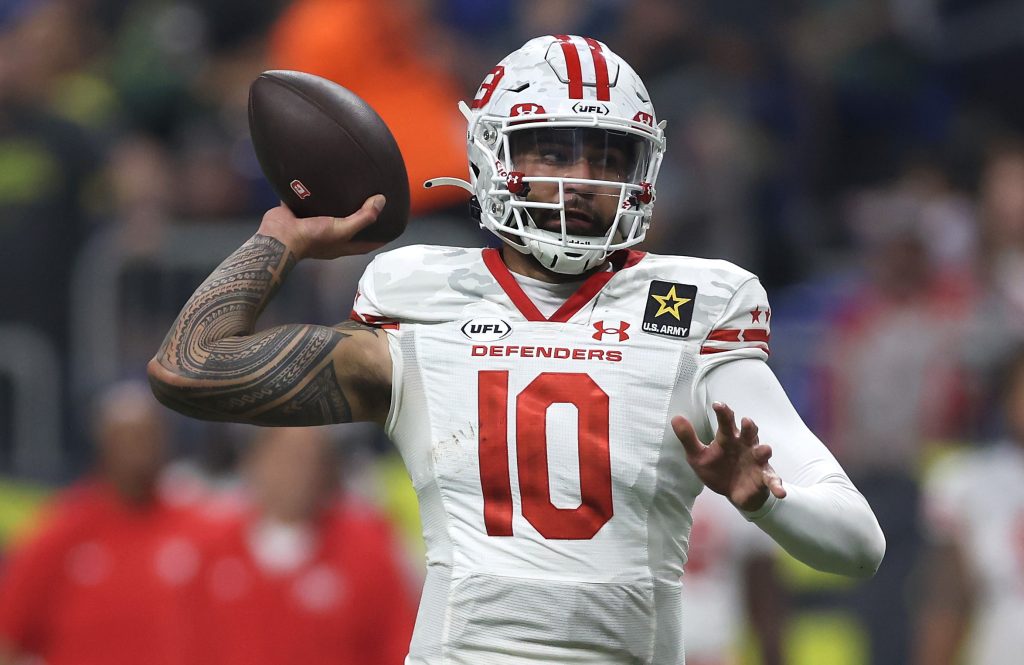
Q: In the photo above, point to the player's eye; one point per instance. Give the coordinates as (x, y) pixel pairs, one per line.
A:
(556, 155)
(609, 164)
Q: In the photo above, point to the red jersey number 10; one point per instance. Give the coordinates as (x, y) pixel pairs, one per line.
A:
(531, 406)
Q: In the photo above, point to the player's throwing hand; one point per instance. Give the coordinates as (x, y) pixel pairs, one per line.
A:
(735, 464)
(323, 237)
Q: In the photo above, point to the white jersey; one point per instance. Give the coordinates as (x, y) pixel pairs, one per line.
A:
(555, 498)
(976, 500)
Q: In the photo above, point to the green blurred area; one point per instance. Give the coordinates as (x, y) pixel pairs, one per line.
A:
(20, 506)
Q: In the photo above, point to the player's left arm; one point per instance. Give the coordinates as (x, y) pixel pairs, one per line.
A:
(793, 489)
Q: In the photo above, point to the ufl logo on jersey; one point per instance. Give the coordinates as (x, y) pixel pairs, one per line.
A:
(486, 329)
(669, 310)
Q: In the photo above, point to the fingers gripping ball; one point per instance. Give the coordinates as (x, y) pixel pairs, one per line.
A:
(325, 151)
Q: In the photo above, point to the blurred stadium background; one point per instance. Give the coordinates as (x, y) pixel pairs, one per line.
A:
(864, 157)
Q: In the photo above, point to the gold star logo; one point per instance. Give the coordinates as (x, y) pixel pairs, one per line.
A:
(665, 308)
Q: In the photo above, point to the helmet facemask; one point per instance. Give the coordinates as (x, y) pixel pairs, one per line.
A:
(568, 190)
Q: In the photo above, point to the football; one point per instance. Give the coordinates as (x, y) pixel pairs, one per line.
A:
(325, 151)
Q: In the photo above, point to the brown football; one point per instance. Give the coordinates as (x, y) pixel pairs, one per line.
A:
(325, 151)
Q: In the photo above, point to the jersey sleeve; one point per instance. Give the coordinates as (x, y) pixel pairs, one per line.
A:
(742, 330)
(823, 521)
(418, 284)
(753, 542)
(367, 307)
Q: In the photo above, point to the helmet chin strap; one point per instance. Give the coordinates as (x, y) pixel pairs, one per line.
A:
(556, 258)
(571, 262)
(552, 255)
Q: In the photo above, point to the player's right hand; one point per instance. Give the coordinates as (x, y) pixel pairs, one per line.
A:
(323, 237)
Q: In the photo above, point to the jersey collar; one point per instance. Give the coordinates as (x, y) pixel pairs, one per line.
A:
(620, 260)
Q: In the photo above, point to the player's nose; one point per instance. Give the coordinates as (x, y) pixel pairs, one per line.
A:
(578, 171)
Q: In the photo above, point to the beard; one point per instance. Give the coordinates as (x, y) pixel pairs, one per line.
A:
(582, 218)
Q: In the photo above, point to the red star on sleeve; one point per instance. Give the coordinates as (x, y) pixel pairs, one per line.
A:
(755, 315)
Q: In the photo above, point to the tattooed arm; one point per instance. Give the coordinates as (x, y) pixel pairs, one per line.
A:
(212, 365)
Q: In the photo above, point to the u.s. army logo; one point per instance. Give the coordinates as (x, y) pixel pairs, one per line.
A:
(669, 310)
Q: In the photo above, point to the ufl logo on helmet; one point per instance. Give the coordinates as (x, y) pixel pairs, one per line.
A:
(669, 310)
(591, 107)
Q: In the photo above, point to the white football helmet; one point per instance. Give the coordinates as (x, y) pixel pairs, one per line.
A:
(569, 120)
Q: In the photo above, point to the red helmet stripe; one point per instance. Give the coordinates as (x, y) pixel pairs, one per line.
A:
(573, 68)
(600, 69)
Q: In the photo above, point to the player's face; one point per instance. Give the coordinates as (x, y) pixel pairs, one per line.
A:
(581, 154)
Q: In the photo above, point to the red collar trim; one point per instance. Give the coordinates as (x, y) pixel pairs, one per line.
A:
(622, 259)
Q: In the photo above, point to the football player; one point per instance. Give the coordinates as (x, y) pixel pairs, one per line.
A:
(559, 402)
(972, 589)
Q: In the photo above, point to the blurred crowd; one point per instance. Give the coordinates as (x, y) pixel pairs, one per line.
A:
(864, 157)
(137, 563)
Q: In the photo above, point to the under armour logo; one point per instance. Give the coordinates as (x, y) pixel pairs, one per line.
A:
(645, 118)
(515, 183)
(526, 109)
(602, 331)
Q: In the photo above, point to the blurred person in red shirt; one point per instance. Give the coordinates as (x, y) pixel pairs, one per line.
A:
(301, 577)
(98, 581)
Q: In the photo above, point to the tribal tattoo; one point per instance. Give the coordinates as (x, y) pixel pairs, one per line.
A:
(281, 376)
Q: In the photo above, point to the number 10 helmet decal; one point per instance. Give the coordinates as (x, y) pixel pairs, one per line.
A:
(562, 139)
